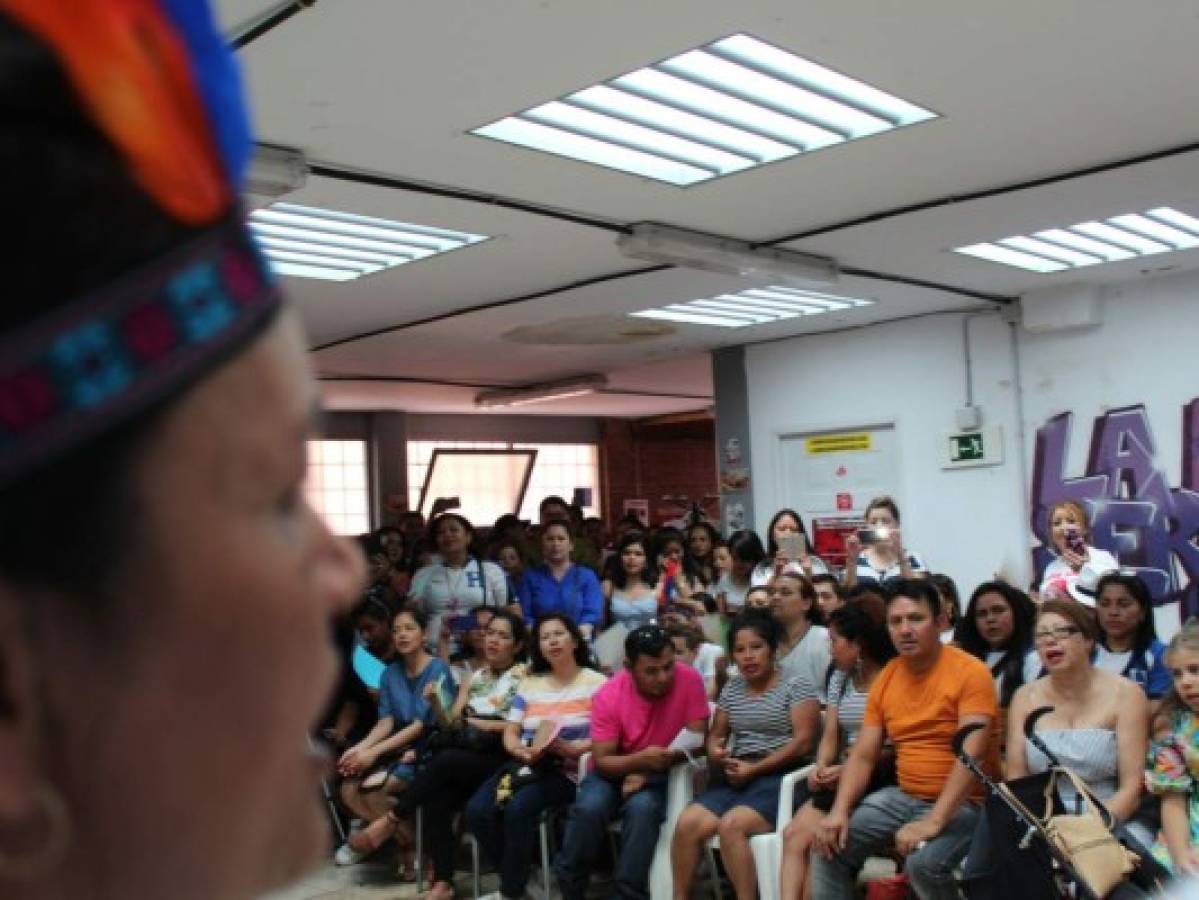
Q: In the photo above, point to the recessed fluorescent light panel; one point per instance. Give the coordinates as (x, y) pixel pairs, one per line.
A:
(1160, 230)
(758, 306)
(307, 242)
(725, 107)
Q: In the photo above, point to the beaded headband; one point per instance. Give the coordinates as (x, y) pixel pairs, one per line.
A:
(96, 362)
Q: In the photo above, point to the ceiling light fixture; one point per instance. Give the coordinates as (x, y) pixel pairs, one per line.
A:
(307, 242)
(693, 250)
(1160, 230)
(539, 393)
(759, 306)
(731, 105)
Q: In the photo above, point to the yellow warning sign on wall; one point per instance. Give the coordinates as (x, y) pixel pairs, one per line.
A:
(849, 442)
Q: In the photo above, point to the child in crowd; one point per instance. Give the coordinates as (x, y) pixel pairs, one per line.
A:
(745, 552)
(722, 560)
(1174, 755)
(705, 657)
(757, 597)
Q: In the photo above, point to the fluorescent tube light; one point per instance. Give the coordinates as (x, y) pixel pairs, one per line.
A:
(753, 307)
(1175, 218)
(1156, 230)
(760, 103)
(308, 242)
(690, 249)
(1009, 257)
(539, 393)
(1122, 237)
(1127, 236)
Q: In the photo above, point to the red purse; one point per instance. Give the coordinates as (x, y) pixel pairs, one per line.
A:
(893, 888)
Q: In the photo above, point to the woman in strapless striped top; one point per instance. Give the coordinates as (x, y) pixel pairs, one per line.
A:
(1098, 726)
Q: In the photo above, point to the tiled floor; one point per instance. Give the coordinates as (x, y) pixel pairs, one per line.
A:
(367, 881)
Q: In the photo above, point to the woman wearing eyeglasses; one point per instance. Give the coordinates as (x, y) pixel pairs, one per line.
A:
(1099, 724)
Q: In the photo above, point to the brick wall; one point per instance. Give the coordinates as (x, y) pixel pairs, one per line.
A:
(651, 459)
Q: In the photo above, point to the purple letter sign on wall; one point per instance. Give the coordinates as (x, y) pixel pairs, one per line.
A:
(1150, 526)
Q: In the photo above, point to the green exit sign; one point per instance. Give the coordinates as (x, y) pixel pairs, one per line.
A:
(966, 447)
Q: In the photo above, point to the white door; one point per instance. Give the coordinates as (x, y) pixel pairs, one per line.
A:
(836, 473)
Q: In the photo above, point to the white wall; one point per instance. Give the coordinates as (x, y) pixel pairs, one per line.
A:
(912, 374)
(971, 523)
(1145, 352)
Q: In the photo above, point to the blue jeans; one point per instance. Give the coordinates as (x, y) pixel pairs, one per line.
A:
(508, 835)
(872, 830)
(595, 807)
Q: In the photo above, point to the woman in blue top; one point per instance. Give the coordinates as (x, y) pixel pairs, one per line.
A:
(405, 716)
(632, 601)
(560, 586)
(1128, 643)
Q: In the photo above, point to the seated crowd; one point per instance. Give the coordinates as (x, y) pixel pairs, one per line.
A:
(554, 676)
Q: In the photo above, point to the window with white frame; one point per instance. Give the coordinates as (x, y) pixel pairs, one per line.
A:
(337, 484)
(559, 469)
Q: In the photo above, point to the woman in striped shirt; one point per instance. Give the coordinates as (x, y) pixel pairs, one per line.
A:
(860, 646)
(558, 691)
(765, 725)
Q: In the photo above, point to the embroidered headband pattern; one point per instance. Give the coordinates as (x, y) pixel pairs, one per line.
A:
(98, 361)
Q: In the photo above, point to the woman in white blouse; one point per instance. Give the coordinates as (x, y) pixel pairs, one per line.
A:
(1075, 560)
(460, 583)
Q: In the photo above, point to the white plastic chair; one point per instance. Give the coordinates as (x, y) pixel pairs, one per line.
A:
(679, 791)
(767, 849)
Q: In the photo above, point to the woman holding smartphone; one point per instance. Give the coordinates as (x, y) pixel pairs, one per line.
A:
(876, 554)
(787, 548)
(1076, 561)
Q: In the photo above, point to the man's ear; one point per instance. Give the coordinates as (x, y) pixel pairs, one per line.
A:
(21, 769)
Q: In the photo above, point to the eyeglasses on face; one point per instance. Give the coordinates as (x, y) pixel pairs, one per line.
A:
(1061, 633)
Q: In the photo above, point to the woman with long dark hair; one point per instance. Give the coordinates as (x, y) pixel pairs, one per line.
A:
(632, 601)
(860, 645)
(785, 526)
(997, 628)
(702, 538)
(677, 575)
(1128, 643)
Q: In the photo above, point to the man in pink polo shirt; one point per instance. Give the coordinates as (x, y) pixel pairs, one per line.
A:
(635, 717)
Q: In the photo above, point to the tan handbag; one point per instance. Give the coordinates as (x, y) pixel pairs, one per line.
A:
(1087, 839)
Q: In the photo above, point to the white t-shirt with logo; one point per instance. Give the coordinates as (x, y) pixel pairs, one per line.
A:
(444, 590)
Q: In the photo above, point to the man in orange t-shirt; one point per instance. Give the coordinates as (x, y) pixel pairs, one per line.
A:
(919, 700)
